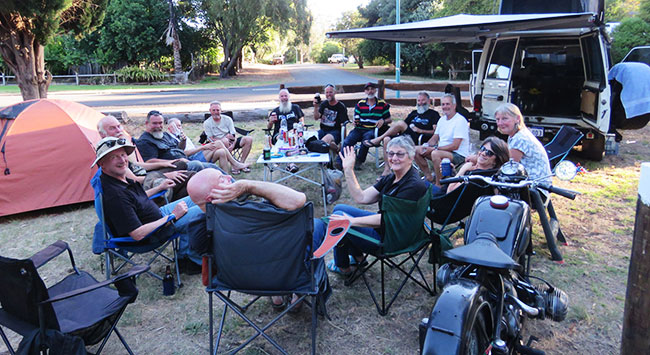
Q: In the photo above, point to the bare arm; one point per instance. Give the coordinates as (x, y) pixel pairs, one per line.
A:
(144, 230)
(463, 170)
(453, 146)
(279, 195)
(516, 155)
(433, 141)
(316, 110)
(367, 196)
(371, 221)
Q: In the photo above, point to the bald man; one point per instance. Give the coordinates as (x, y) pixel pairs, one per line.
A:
(212, 186)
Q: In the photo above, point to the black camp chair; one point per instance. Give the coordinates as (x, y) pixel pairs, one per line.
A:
(125, 248)
(403, 233)
(77, 306)
(561, 144)
(261, 250)
(448, 211)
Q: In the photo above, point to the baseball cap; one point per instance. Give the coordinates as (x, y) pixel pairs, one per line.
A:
(110, 144)
(370, 85)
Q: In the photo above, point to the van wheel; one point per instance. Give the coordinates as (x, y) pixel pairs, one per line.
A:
(594, 149)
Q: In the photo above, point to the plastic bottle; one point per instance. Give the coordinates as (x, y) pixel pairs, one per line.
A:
(168, 282)
(283, 128)
(299, 135)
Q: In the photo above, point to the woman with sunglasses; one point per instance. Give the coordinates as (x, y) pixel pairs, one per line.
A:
(491, 155)
(403, 182)
(524, 146)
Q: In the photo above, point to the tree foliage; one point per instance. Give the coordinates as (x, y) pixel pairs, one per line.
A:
(617, 10)
(352, 19)
(238, 23)
(27, 25)
(630, 33)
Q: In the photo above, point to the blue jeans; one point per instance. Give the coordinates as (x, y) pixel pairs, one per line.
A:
(349, 245)
(198, 156)
(355, 136)
(336, 133)
(181, 224)
(194, 165)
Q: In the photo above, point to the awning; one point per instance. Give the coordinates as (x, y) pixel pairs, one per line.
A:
(467, 28)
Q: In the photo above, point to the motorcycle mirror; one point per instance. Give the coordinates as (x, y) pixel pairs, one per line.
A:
(566, 170)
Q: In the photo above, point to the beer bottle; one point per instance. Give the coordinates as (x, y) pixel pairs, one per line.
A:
(168, 282)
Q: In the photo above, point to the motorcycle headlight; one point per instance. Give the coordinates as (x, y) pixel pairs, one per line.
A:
(512, 171)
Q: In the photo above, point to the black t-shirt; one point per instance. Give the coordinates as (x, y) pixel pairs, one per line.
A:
(332, 117)
(292, 117)
(424, 121)
(165, 148)
(410, 187)
(126, 206)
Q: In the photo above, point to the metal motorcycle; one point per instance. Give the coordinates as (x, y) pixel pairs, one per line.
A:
(487, 290)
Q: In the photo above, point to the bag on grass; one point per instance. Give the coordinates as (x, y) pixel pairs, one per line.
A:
(333, 184)
(316, 145)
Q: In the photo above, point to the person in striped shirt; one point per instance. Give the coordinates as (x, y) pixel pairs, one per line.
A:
(369, 113)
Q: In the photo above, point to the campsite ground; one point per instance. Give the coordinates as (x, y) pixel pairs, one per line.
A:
(599, 225)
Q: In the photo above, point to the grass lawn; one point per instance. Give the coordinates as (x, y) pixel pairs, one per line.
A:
(598, 225)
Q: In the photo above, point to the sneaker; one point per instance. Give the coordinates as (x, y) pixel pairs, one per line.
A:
(188, 267)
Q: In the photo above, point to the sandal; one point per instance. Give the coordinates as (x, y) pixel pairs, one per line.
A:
(246, 170)
(235, 172)
(331, 266)
(368, 143)
(297, 307)
(292, 168)
(278, 306)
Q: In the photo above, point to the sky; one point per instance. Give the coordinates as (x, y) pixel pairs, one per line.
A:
(326, 12)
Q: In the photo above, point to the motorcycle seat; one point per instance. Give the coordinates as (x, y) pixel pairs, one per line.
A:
(483, 251)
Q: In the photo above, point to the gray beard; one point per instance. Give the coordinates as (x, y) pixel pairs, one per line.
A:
(372, 97)
(422, 108)
(285, 107)
(158, 134)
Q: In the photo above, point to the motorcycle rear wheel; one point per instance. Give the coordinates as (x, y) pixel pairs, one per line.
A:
(477, 336)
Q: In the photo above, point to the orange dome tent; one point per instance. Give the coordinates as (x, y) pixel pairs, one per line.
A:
(46, 149)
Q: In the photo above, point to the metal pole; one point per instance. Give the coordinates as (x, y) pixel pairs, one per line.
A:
(636, 317)
(397, 49)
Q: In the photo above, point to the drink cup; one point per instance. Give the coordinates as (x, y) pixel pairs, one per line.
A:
(445, 167)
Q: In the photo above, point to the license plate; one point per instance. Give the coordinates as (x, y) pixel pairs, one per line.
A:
(537, 131)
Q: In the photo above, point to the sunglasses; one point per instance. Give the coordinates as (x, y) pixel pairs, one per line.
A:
(154, 113)
(487, 152)
(399, 155)
(111, 143)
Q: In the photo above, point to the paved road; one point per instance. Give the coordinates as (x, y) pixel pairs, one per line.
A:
(192, 100)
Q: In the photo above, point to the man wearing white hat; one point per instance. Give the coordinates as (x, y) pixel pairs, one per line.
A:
(128, 210)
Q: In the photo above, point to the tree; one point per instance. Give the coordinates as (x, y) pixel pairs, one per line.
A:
(171, 38)
(238, 23)
(617, 10)
(352, 19)
(630, 33)
(26, 26)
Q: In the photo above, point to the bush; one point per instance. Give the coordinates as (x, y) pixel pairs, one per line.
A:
(132, 74)
(630, 33)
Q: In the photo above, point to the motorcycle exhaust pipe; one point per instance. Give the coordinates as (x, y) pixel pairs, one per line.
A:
(530, 311)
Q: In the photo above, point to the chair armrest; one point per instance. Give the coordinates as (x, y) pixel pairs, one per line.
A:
(50, 252)
(158, 194)
(243, 132)
(134, 271)
(131, 240)
(356, 233)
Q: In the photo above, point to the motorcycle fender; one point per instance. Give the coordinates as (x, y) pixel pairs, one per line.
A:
(449, 314)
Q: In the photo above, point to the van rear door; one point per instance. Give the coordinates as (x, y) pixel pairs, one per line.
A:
(496, 89)
(476, 58)
(595, 95)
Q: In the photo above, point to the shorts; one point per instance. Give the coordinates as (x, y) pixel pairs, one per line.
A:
(335, 133)
(457, 159)
(238, 142)
(198, 156)
(415, 136)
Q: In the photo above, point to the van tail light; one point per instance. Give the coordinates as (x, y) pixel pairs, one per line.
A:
(477, 103)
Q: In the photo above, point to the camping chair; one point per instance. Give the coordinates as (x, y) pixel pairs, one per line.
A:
(377, 154)
(236, 153)
(560, 146)
(263, 250)
(402, 223)
(77, 306)
(125, 248)
(447, 212)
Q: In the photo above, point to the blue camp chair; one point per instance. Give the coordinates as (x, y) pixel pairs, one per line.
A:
(124, 248)
(262, 250)
(561, 144)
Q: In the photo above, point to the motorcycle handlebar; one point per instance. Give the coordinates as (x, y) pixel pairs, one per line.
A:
(562, 192)
(452, 180)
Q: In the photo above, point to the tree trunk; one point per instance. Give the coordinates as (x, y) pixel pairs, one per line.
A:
(25, 57)
(178, 66)
(360, 61)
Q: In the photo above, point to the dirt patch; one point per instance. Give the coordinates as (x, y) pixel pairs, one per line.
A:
(598, 225)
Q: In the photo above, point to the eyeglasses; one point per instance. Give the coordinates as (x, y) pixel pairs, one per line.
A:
(111, 143)
(400, 155)
(487, 152)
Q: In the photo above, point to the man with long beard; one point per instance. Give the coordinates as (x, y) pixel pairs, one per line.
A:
(420, 122)
(154, 143)
(369, 113)
(288, 111)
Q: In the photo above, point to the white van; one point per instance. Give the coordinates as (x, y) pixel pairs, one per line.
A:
(549, 57)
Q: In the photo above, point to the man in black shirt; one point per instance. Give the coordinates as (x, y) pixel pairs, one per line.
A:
(288, 111)
(419, 125)
(127, 208)
(332, 114)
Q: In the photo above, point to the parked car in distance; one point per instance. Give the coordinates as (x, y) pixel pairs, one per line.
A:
(337, 58)
(638, 54)
(278, 59)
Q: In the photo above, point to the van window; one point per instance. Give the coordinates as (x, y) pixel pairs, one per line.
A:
(594, 70)
(501, 61)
